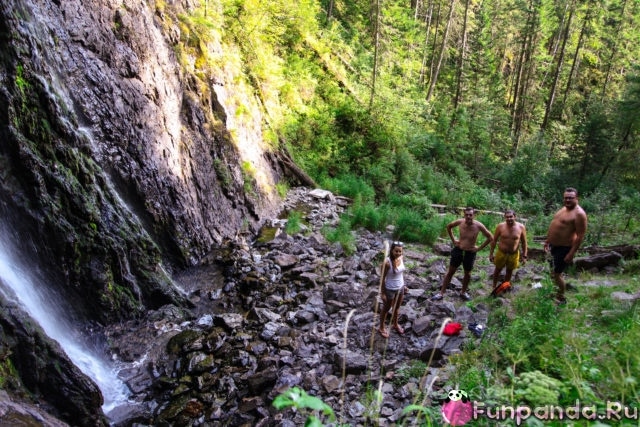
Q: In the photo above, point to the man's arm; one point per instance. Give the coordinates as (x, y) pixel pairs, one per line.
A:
(496, 236)
(450, 227)
(487, 234)
(581, 230)
(523, 242)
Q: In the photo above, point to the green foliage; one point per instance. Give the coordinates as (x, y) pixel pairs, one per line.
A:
(631, 266)
(542, 354)
(342, 234)
(352, 186)
(8, 375)
(408, 172)
(282, 189)
(434, 185)
(368, 215)
(430, 414)
(248, 177)
(528, 173)
(538, 389)
(294, 222)
(412, 216)
(21, 83)
(298, 399)
(412, 227)
(222, 172)
(310, 64)
(415, 369)
(372, 402)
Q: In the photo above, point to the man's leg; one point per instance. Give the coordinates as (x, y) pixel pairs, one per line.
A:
(496, 276)
(447, 279)
(507, 275)
(465, 281)
(562, 286)
(467, 264)
(558, 268)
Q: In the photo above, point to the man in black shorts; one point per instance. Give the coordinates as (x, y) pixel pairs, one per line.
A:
(464, 250)
(564, 237)
(558, 254)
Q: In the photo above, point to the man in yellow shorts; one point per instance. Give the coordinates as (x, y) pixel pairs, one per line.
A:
(511, 238)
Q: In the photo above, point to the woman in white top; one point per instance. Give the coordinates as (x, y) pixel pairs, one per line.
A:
(393, 289)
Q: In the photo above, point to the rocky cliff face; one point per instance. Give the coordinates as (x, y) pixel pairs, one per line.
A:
(117, 163)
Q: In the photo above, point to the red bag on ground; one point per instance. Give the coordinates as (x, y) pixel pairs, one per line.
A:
(452, 328)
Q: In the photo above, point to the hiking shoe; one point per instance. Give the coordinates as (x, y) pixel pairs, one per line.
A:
(561, 301)
(437, 297)
(465, 296)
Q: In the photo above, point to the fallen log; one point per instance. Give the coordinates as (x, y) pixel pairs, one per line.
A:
(627, 251)
(597, 261)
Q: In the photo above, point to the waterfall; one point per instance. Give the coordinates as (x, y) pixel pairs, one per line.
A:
(32, 295)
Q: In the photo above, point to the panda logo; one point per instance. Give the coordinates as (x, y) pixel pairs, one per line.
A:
(457, 395)
(457, 410)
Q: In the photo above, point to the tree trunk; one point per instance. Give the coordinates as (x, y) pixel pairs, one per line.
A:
(463, 50)
(556, 75)
(283, 158)
(614, 49)
(428, 20)
(576, 59)
(441, 53)
(330, 10)
(525, 73)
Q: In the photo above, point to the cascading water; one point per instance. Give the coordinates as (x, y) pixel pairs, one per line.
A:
(32, 296)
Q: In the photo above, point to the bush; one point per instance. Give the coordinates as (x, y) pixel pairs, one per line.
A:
(294, 222)
(351, 186)
(342, 234)
(369, 216)
(413, 227)
(408, 172)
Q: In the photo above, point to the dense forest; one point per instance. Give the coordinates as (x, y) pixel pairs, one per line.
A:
(494, 104)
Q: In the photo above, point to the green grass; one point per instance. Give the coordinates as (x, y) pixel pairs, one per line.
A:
(588, 347)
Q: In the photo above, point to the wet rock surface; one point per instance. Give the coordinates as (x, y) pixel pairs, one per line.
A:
(295, 310)
(49, 385)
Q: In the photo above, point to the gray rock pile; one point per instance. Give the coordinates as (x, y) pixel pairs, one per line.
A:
(292, 311)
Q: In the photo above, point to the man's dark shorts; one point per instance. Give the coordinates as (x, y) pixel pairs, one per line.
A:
(466, 258)
(558, 253)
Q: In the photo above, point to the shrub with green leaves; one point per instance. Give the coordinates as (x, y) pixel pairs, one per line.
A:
(351, 186)
(369, 216)
(294, 222)
(342, 234)
(538, 389)
(298, 399)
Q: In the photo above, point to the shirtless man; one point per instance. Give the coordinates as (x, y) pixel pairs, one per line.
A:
(511, 238)
(464, 250)
(564, 237)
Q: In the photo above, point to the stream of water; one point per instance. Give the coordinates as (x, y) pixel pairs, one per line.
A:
(49, 312)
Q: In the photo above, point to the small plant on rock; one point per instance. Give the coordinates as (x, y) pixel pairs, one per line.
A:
(298, 399)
